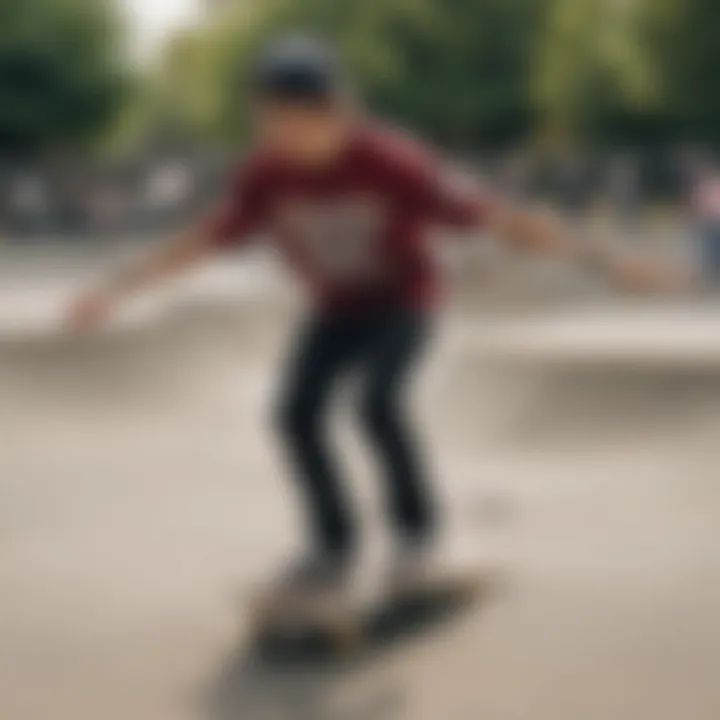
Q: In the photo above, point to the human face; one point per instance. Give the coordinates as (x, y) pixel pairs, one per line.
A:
(304, 133)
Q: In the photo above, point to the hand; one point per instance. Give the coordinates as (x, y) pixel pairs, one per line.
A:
(91, 310)
(644, 275)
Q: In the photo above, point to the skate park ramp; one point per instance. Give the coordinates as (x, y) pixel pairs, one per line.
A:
(142, 498)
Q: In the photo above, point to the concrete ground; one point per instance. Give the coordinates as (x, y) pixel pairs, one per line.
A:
(141, 498)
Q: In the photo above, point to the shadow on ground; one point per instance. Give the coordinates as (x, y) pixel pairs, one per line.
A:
(303, 680)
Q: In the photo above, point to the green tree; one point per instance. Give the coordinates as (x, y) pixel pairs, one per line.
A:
(593, 77)
(460, 70)
(682, 40)
(475, 72)
(457, 70)
(62, 77)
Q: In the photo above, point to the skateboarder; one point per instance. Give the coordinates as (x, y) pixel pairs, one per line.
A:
(348, 202)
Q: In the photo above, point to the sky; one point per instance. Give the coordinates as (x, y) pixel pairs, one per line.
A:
(151, 19)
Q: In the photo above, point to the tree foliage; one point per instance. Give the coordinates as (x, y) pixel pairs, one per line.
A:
(478, 72)
(61, 76)
(469, 73)
(457, 69)
(682, 41)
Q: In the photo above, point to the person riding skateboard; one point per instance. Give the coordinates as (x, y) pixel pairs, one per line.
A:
(349, 202)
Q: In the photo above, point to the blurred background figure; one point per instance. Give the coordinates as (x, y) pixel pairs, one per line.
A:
(517, 175)
(571, 180)
(28, 204)
(624, 191)
(167, 189)
(705, 203)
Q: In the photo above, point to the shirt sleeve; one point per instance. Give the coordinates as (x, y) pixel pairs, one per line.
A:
(439, 193)
(242, 212)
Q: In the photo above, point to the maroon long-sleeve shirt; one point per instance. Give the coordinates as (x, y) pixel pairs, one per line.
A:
(355, 229)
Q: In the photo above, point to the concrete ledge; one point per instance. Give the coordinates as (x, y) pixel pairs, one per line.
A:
(669, 338)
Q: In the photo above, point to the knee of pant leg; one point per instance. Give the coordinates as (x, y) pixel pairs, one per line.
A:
(294, 418)
(377, 412)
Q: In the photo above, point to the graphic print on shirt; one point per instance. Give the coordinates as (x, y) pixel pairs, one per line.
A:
(339, 238)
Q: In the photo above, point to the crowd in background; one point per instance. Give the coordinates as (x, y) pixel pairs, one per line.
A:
(156, 193)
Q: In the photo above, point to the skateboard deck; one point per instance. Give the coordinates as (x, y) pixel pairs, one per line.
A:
(374, 624)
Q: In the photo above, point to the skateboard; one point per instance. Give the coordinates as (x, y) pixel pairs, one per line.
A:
(283, 622)
(344, 628)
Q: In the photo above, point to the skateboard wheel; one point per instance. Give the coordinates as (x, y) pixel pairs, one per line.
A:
(346, 638)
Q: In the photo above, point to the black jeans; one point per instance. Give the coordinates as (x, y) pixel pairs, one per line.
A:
(382, 346)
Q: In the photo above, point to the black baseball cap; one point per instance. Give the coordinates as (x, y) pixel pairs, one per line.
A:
(298, 69)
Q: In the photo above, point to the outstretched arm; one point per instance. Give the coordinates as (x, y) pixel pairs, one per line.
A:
(450, 198)
(93, 306)
(542, 232)
(236, 219)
